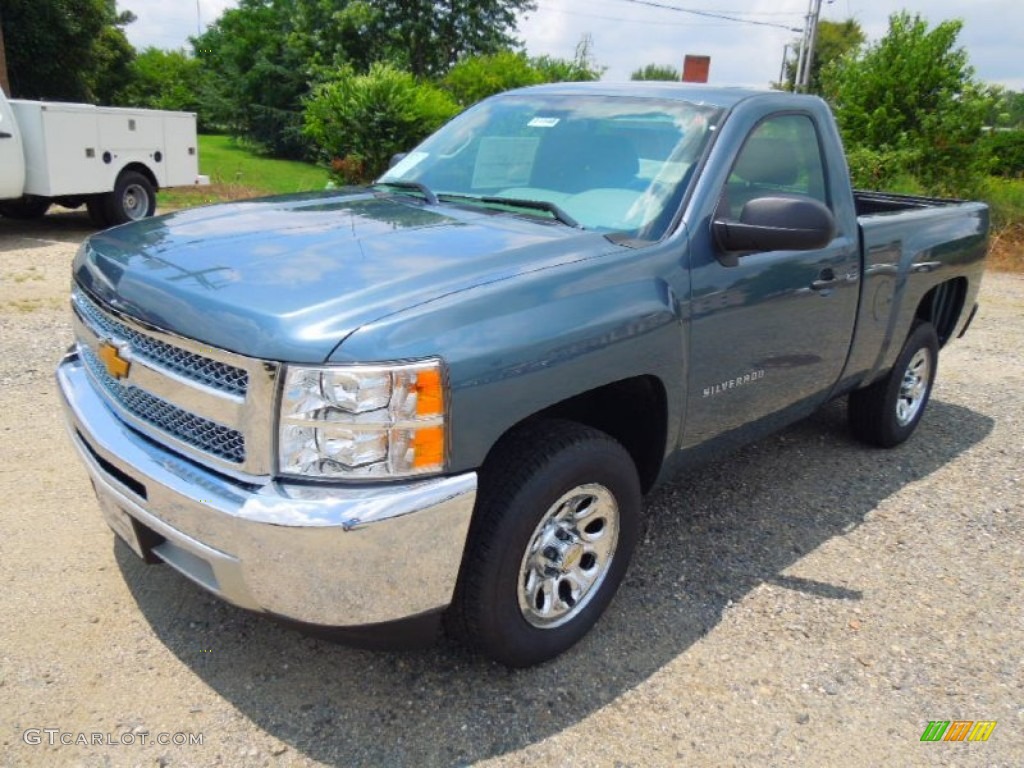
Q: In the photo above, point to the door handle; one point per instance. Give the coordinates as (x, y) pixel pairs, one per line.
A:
(5, 135)
(826, 279)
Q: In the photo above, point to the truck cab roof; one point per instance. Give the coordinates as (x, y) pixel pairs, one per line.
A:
(712, 95)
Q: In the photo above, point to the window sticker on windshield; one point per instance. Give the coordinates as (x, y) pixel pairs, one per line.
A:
(544, 122)
(407, 163)
(504, 161)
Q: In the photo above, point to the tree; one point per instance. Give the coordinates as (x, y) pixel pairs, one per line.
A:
(259, 74)
(909, 104)
(110, 79)
(835, 40)
(170, 80)
(1007, 110)
(5, 84)
(265, 55)
(68, 50)
(429, 37)
(656, 72)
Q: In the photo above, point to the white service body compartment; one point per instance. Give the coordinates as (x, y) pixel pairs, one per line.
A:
(79, 149)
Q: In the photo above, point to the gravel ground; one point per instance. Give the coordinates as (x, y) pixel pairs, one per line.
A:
(806, 601)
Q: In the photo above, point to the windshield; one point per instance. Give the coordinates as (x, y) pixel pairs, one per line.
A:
(609, 163)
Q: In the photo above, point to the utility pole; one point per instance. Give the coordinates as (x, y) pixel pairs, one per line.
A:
(812, 39)
(806, 55)
(5, 83)
(798, 81)
(782, 69)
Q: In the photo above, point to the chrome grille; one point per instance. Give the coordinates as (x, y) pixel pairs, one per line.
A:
(208, 436)
(189, 365)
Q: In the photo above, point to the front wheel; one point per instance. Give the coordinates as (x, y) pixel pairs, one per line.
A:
(133, 198)
(887, 413)
(556, 524)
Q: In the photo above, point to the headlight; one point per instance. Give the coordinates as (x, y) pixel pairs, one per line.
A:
(363, 421)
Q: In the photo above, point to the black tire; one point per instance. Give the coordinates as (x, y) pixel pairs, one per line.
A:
(887, 413)
(25, 208)
(536, 479)
(133, 198)
(97, 207)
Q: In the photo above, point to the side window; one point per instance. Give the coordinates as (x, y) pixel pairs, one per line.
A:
(781, 156)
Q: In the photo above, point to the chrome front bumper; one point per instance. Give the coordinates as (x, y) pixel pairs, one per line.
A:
(335, 556)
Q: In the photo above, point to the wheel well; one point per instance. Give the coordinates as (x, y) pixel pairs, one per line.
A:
(633, 411)
(144, 170)
(942, 306)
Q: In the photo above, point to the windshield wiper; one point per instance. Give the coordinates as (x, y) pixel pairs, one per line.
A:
(515, 202)
(414, 186)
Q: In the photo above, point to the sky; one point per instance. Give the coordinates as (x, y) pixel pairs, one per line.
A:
(628, 34)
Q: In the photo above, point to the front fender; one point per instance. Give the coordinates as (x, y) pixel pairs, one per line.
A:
(517, 346)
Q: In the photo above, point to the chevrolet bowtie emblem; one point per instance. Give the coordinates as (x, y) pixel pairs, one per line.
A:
(116, 365)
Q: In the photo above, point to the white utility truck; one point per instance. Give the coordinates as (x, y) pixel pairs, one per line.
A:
(110, 159)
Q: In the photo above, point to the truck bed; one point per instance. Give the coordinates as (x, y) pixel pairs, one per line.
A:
(871, 203)
(910, 246)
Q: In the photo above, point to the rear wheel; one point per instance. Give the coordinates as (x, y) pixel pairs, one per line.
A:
(887, 413)
(133, 198)
(25, 208)
(557, 521)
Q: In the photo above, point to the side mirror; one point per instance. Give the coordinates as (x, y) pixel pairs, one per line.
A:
(396, 159)
(792, 223)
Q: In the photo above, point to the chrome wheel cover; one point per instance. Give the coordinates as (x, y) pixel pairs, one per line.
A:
(569, 555)
(135, 202)
(914, 387)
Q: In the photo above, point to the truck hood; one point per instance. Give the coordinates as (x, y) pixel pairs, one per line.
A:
(289, 278)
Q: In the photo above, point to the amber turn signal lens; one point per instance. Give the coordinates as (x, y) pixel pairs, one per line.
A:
(429, 394)
(428, 447)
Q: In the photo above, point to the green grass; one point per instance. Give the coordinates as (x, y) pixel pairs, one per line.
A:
(224, 161)
(1006, 197)
(237, 173)
(1006, 200)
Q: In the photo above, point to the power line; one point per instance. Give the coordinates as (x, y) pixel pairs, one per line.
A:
(552, 9)
(737, 13)
(760, 13)
(713, 15)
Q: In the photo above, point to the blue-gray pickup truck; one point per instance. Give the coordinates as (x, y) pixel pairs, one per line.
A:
(438, 401)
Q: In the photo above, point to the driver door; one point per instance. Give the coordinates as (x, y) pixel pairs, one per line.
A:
(770, 330)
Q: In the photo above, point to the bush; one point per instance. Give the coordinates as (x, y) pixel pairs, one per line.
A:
(358, 122)
(579, 70)
(883, 169)
(657, 72)
(478, 77)
(1006, 150)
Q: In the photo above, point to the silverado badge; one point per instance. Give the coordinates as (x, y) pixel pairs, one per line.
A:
(116, 365)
